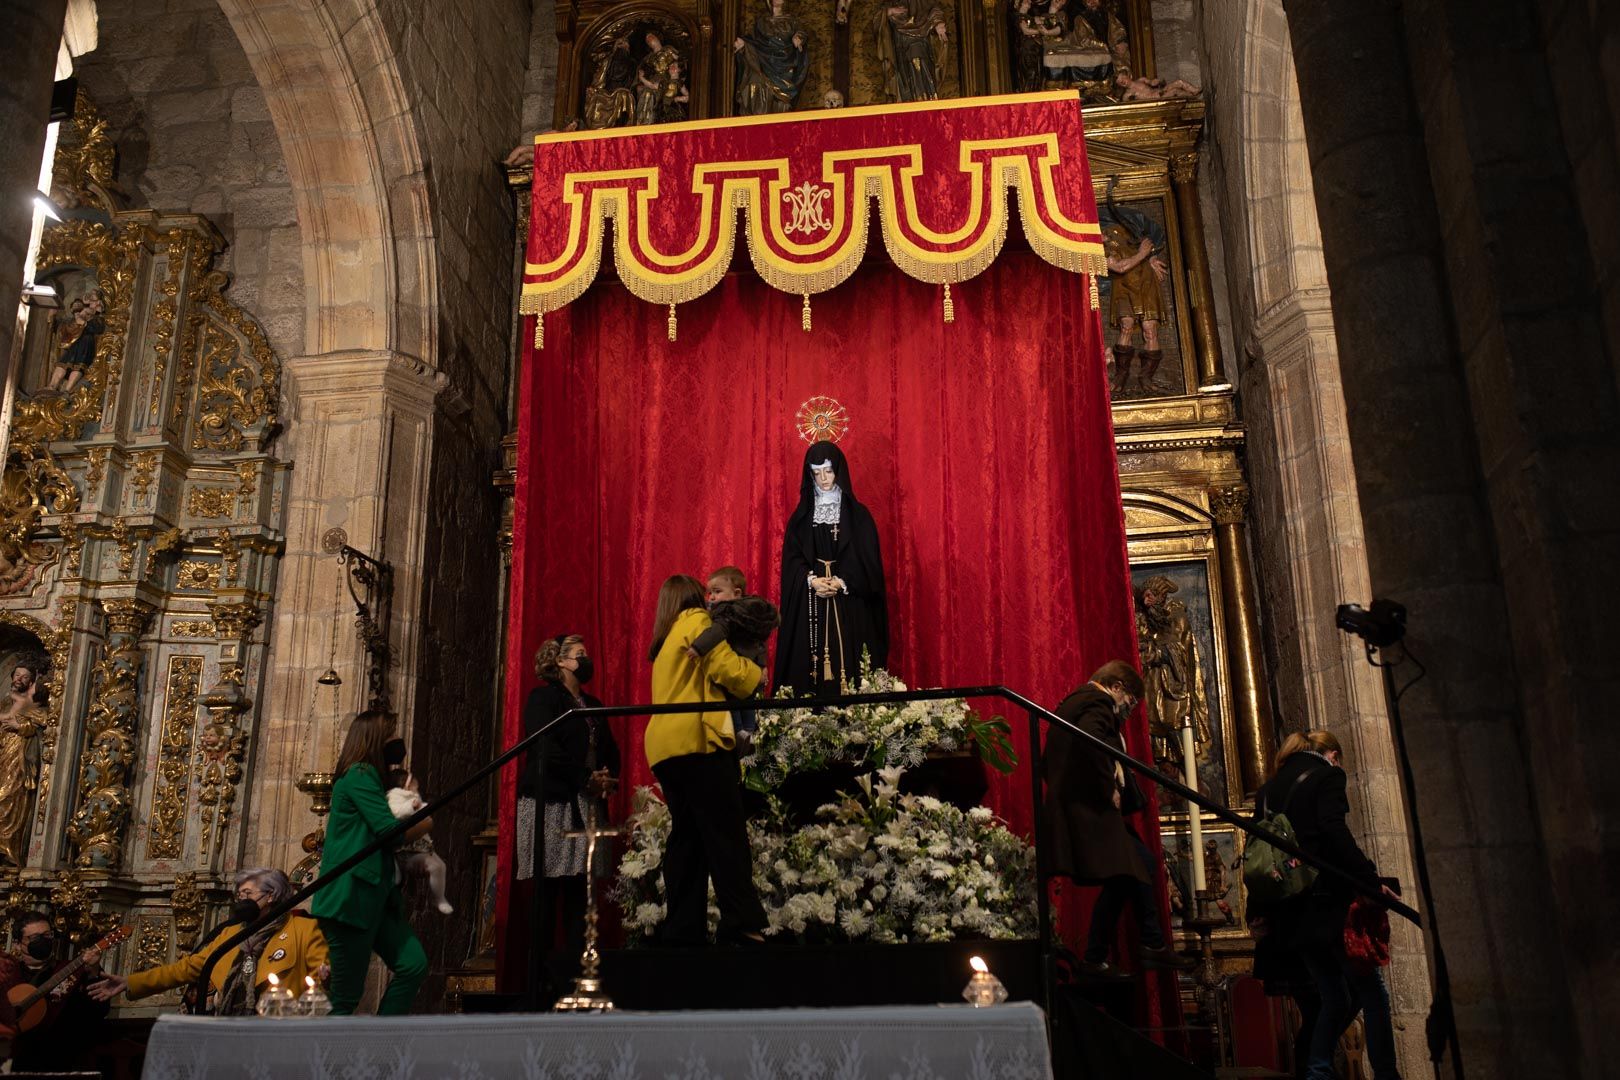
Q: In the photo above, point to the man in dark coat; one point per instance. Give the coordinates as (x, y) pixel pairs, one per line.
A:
(1088, 795)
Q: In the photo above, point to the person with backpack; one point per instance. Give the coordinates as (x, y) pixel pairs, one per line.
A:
(1298, 916)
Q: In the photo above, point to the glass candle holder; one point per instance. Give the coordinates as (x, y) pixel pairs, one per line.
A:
(313, 1001)
(277, 1001)
(983, 989)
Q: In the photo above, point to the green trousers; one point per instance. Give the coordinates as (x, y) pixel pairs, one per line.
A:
(394, 942)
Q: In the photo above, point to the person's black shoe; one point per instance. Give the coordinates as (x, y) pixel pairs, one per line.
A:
(1167, 958)
(751, 939)
(1101, 971)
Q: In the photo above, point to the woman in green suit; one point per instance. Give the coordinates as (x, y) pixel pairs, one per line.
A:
(363, 912)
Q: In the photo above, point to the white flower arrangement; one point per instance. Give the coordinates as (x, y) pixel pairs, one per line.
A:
(794, 741)
(876, 866)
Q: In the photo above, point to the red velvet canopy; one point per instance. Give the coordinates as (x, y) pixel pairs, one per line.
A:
(983, 446)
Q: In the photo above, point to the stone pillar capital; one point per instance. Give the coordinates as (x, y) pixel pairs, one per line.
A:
(358, 372)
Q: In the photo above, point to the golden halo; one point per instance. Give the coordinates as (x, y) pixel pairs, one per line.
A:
(822, 419)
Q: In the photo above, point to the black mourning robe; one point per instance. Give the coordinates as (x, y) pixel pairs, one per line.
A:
(847, 623)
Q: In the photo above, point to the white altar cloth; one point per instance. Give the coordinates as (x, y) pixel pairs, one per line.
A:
(910, 1042)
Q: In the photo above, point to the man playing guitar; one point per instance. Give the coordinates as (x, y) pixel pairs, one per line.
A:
(58, 1037)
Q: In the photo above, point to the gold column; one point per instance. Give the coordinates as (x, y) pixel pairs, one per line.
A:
(101, 821)
(997, 79)
(1206, 337)
(1245, 665)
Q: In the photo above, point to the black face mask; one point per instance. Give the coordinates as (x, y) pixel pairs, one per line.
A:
(394, 752)
(585, 669)
(41, 948)
(244, 911)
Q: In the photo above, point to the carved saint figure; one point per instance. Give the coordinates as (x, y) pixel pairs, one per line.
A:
(653, 79)
(77, 336)
(1085, 47)
(672, 94)
(1027, 22)
(1171, 668)
(608, 100)
(911, 37)
(833, 605)
(772, 62)
(1135, 246)
(21, 717)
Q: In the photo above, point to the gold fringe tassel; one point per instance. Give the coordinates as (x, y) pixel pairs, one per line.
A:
(540, 331)
(1096, 302)
(672, 322)
(950, 305)
(804, 314)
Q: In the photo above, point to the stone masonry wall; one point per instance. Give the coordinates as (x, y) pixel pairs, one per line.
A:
(194, 135)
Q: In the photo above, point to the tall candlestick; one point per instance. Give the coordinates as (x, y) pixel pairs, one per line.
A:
(1189, 758)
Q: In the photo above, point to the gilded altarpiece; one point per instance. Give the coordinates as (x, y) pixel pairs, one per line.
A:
(604, 54)
(142, 532)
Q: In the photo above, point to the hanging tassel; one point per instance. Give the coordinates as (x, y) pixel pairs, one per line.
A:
(804, 314)
(1096, 303)
(540, 331)
(672, 322)
(950, 305)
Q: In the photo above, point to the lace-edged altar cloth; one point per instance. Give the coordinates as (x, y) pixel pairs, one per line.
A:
(911, 1042)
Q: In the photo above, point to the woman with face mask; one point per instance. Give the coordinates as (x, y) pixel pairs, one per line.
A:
(291, 947)
(580, 762)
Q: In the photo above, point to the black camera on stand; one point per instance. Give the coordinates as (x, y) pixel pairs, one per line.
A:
(1381, 625)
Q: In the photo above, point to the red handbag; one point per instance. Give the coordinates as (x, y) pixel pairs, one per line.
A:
(1366, 937)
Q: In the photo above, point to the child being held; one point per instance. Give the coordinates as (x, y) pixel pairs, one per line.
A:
(417, 856)
(744, 622)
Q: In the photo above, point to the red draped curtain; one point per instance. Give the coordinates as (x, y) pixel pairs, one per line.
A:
(984, 449)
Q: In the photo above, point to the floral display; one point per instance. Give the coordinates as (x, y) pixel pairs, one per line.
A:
(877, 865)
(791, 741)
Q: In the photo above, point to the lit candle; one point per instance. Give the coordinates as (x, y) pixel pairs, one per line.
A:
(1189, 757)
(984, 988)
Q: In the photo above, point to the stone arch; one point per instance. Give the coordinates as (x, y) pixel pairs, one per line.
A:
(335, 92)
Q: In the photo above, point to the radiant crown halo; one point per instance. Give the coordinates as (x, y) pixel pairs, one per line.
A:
(821, 419)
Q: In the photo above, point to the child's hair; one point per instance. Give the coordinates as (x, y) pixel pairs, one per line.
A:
(731, 576)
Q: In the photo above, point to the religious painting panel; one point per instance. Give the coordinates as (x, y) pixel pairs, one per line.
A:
(1149, 342)
(1180, 662)
(1222, 848)
(782, 57)
(636, 68)
(903, 50)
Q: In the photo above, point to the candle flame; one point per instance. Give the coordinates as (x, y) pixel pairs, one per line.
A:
(309, 981)
(273, 980)
(978, 964)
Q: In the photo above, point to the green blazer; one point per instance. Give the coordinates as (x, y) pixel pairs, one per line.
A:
(359, 815)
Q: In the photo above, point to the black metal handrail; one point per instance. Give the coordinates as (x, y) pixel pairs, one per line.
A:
(1370, 890)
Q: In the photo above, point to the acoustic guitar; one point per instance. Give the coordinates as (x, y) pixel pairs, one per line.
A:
(30, 1002)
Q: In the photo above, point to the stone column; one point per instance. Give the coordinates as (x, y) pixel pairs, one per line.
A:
(1206, 336)
(100, 823)
(361, 428)
(33, 31)
(1245, 661)
(1431, 541)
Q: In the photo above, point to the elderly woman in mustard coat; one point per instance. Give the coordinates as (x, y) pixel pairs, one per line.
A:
(291, 948)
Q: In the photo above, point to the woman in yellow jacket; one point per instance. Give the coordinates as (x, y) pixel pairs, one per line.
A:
(690, 754)
(291, 948)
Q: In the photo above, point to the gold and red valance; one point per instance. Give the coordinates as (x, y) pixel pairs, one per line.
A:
(804, 182)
